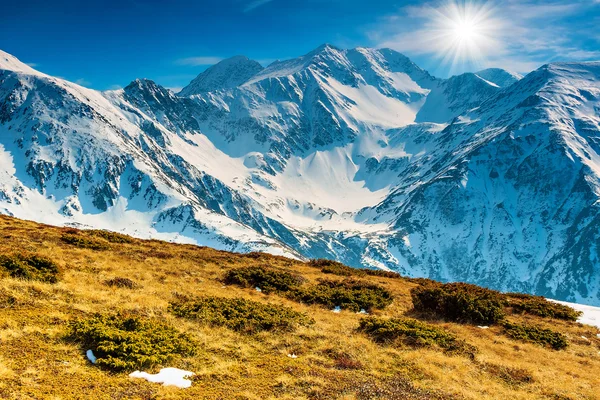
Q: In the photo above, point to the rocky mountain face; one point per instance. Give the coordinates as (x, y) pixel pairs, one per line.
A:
(227, 74)
(356, 155)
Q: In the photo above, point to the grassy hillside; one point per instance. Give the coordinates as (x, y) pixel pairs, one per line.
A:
(152, 304)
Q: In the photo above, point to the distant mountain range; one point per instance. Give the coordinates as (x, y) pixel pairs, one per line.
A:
(355, 155)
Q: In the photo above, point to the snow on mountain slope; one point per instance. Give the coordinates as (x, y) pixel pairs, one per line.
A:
(454, 96)
(99, 161)
(227, 74)
(326, 98)
(357, 155)
(499, 77)
(11, 63)
(509, 198)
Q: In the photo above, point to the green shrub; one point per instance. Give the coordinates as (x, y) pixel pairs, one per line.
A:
(123, 342)
(30, 267)
(537, 305)
(112, 237)
(413, 333)
(459, 302)
(337, 268)
(342, 270)
(350, 294)
(239, 314)
(535, 334)
(383, 274)
(268, 280)
(120, 282)
(322, 262)
(84, 242)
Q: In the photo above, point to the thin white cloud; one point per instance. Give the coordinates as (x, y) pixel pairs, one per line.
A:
(526, 33)
(175, 89)
(255, 4)
(197, 61)
(83, 82)
(32, 65)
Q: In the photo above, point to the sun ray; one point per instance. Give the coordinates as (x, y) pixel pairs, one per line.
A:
(464, 32)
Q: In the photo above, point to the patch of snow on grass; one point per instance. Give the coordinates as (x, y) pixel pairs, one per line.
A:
(167, 376)
(590, 316)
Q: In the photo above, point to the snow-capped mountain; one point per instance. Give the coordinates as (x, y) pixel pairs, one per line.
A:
(499, 77)
(226, 74)
(357, 155)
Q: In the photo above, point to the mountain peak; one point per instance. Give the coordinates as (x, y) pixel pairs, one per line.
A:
(144, 85)
(226, 74)
(11, 63)
(499, 77)
(323, 48)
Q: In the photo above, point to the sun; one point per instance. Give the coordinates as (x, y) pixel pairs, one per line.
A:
(464, 30)
(465, 33)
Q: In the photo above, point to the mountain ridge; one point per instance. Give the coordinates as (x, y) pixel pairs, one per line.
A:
(334, 160)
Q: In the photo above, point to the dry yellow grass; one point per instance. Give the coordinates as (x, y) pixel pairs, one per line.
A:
(37, 362)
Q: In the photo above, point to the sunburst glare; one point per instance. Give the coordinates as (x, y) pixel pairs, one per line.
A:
(464, 33)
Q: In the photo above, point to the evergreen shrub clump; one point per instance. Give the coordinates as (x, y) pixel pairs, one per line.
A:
(112, 237)
(268, 280)
(239, 314)
(413, 333)
(337, 268)
(537, 305)
(349, 294)
(459, 302)
(535, 334)
(84, 242)
(29, 267)
(122, 342)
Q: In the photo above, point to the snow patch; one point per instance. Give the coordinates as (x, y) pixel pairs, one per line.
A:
(167, 376)
(590, 316)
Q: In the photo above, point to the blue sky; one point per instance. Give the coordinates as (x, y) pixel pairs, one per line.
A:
(107, 44)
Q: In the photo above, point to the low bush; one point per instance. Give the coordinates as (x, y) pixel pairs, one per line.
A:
(84, 242)
(535, 334)
(459, 302)
(337, 268)
(350, 295)
(413, 333)
(383, 274)
(239, 314)
(508, 375)
(342, 270)
(123, 342)
(112, 237)
(268, 280)
(120, 282)
(537, 305)
(30, 267)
